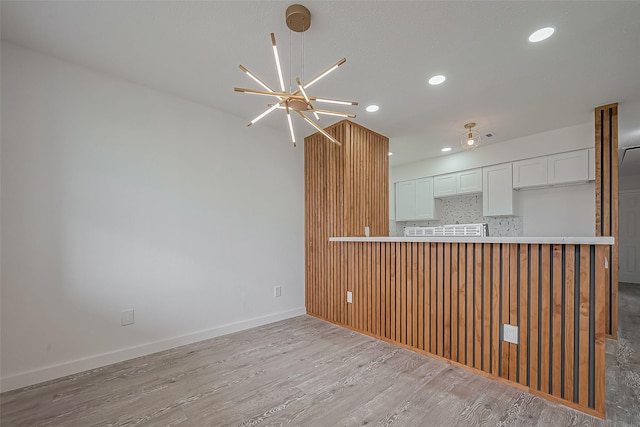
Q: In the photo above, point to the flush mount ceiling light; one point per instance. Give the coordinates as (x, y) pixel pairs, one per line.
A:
(436, 80)
(372, 108)
(471, 138)
(445, 149)
(541, 34)
(298, 101)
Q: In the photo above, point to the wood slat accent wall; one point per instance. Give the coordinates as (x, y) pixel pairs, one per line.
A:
(606, 147)
(346, 190)
(449, 300)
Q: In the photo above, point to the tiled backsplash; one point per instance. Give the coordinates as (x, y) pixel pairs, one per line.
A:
(465, 210)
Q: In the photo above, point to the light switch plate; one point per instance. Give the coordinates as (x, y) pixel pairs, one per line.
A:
(510, 333)
(349, 297)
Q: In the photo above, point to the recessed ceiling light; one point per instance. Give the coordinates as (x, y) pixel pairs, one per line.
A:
(541, 34)
(372, 108)
(436, 80)
(445, 149)
(390, 153)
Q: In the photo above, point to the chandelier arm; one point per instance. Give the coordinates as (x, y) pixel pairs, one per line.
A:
(333, 113)
(333, 101)
(318, 128)
(306, 98)
(293, 95)
(256, 78)
(277, 59)
(325, 72)
(293, 136)
(267, 111)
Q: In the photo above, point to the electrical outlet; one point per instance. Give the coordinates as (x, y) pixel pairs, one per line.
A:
(510, 333)
(366, 231)
(277, 292)
(127, 317)
(349, 297)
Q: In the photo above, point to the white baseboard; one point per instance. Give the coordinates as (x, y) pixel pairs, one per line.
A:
(48, 373)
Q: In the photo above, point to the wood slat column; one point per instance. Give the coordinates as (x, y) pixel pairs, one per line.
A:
(606, 159)
(346, 189)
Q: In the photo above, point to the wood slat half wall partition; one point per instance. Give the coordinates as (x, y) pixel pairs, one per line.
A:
(346, 190)
(450, 300)
(606, 158)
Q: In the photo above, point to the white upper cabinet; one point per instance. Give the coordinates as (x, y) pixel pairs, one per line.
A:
(458, 183)
(568, 167)
(445, 185)
(469, 181)
(530, 172)
(497, 190)
(425, 204)
(414, 200)
(563, 168)
(405, 200)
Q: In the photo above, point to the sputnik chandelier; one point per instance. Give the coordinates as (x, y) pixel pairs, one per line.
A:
(298, 101)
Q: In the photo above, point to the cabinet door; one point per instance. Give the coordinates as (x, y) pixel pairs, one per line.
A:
(469, 182)
(445, 185)
(405, 200)
(425, 204)
(530, 172)
(568, 167)
(497, 190)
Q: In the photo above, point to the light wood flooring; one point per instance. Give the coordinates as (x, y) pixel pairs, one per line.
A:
(307, 372)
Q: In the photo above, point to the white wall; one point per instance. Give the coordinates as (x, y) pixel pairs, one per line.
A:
(116, 196)
(629, 182)
(561, 211)
(558, 211)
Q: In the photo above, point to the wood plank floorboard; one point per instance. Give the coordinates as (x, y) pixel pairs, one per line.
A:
(307, 372)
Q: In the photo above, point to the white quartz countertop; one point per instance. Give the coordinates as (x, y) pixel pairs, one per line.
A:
(585, 240)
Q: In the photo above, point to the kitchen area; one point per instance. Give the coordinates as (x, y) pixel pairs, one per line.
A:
(487, 259)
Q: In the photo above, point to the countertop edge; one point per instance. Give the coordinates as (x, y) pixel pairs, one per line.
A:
(586, 240)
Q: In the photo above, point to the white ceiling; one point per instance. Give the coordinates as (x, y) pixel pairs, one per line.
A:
(495, 77)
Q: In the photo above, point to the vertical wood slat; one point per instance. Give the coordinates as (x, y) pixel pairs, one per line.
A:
(600, 313)
(495, 310)
(513, 309)
(427, 296)
(486, 307)
(523, 320)
(413, 320)
(534, 261)
(462, 303)
(545, 320)
(556, 315)
(606, 195)
(455, 312)
(477, 296)
(569, 322)
(583, 331)
(434, 301)
(446, 309)
(505, 288)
